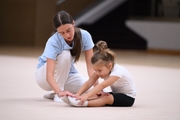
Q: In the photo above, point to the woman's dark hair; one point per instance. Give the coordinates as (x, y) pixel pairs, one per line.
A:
(103, 53)
(62, 18)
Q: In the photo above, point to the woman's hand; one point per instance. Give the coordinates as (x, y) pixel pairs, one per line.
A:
(65, 93)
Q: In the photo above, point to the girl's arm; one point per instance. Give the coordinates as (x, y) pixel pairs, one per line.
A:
(101, 86)
(87, 84)
(88, 55)
(50, 78)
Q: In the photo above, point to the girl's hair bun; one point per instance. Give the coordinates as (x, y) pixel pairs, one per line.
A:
(101, 46)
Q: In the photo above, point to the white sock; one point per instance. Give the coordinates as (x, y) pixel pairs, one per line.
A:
(76, 102)
(66, 100)
(57, 98)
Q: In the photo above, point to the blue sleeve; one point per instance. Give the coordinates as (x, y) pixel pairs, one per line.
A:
(87, 42)
(52, 48)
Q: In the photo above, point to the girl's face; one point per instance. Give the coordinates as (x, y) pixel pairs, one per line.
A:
(102, 70)
(66, 31)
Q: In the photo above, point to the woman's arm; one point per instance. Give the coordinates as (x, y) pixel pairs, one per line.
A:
(88, 55)
(50, 75)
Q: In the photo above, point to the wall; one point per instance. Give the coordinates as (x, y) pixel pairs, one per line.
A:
(159, 35)
(43, 13)
(16, 26)
(29, 22)
(74, 6)
(45, 10)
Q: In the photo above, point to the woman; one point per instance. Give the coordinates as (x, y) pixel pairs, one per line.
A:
(55, 70)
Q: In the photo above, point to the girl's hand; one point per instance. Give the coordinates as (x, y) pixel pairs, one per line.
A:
(76, 96)
(83, 98)
(100, 94)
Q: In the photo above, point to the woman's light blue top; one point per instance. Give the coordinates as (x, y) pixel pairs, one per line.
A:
(56, 44)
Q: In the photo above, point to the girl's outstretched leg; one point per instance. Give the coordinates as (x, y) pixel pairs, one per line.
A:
(101, 101)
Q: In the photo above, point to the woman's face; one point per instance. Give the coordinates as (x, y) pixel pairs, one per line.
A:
(102, 70)
(66, 31)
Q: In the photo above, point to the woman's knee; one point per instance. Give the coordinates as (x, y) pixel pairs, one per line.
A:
(40, 77)
(42, 83)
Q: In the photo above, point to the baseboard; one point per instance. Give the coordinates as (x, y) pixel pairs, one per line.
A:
(166, 52)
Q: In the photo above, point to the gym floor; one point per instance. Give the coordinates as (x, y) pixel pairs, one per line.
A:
(157, 79)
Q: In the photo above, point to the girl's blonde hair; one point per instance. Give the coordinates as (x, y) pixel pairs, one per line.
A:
(103, 54)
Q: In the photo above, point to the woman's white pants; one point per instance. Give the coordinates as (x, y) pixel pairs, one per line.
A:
(65, 81)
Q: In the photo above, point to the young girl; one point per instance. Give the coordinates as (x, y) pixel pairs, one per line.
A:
(55, 70)
(117, 77)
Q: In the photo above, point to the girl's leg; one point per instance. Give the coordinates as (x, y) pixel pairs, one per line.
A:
(114, 99)
(101, 101)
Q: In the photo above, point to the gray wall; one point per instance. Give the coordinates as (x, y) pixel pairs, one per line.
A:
(159, 35)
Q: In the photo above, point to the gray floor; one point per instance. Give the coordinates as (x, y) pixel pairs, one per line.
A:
(157, 78)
